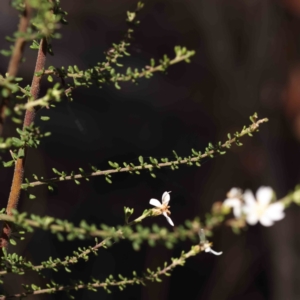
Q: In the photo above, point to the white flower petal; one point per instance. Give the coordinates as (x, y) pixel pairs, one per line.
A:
(236, 205)
(214, 252)
(208, 249)
(250, 209)
(232, 202)
(264, 195)
(252, 218)
(237, 211)
(265, 221)
(249, 198)
(234, 193)
(276, 211)
(165, 198)
(155, 202)
(168, 219)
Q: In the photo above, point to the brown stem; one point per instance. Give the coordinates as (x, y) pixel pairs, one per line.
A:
(16, 58)
(19, 166)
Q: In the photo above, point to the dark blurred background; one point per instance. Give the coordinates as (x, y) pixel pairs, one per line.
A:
(247, 60)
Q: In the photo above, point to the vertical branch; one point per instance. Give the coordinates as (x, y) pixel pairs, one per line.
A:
(19, 166)
(20, 43)
(16, 57)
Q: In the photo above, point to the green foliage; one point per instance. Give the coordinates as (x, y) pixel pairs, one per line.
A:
(44, 23)
(121, 281)
(29, 137)
(153, 164)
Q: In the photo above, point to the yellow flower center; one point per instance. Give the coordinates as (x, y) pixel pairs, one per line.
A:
(163, 208)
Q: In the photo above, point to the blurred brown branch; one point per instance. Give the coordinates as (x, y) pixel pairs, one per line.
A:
(16, 58)
(19, 165)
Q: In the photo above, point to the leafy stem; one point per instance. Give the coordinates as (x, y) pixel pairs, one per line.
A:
(210, 152)
(110, 281)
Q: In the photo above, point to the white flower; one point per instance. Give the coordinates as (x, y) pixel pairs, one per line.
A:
(234, 201)
(205, 244)
(262, 210)
(163, 208)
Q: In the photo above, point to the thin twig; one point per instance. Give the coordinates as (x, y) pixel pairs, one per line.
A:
(136, 280)
(148, 69)
(74, 259)
(20, 42)
(252, 128)
(88, 233)
(44, 101)
(19, 165)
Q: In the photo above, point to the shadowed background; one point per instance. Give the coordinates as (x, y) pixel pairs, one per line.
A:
(247, 60)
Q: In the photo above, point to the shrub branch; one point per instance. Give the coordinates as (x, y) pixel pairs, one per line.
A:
(111, 282)
(129, 168)
(16, 57)
(18, 175)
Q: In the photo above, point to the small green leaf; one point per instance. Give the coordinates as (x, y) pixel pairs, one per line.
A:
(17, 142)
(5, 93)
(60, 237)
(13, 242)
(8, 163)
(21, 153)
(19, 131)
(16, 120)
(113, 164)
(108, 180)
